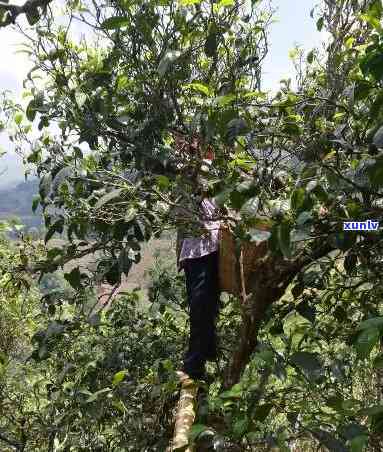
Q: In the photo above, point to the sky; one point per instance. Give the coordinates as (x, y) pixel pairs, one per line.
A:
(293, 25)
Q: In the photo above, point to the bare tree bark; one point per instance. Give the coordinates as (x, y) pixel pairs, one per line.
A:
(270, 279)
(185, 415)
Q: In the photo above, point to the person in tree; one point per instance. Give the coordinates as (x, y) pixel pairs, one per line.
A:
(197, 255)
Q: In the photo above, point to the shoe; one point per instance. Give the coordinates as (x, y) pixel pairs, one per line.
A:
(212, 353)
(184, 374)
(212, 356)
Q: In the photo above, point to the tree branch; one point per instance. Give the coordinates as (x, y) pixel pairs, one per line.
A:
(30, 8)
(11, 442)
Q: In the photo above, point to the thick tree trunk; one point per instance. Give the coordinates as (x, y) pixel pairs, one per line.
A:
(376, 440)
(270, 278)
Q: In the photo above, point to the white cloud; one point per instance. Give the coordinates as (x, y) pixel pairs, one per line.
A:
(13, 69)
(13, 66)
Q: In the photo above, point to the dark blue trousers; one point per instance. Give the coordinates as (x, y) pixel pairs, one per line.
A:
(203, 297)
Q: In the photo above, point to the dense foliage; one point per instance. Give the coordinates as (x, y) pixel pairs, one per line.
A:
(301, 361)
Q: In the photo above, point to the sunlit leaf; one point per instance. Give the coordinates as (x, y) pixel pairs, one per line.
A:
(366, 341)
(118, 377)
(110, 196)
(189, 2)
(115, 22)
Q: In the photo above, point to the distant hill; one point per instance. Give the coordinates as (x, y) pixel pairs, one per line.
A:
(11, 165)
(17, 202)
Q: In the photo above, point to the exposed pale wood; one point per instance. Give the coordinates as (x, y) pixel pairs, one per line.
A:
(186, 413)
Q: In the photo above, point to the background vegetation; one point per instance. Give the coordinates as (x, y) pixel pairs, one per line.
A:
(301, 357)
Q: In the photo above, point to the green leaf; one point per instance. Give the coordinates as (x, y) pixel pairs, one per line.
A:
(94, 319)
(189, 2)
(3, 358)
(279, 207)
(320, 23)
(162, 181)
(125, 261)
(378, 362)
(32, 14)
(245, 186)
(54, 252)
(110, 196)
(262, 411)
(200, 87)
(304, 217)
(309, 363)
(240, 427)
(74, 278)
(250, 208)
(196, 430)
(130, 215)
(18, 226)
(31, 110)
(234, 393)
(97, 394)
(297, 198)
(54, 329)
(57, 226)
(353, 430)
(310, 57)
(118, 377)
(80, 98)
(297, 291)
(45, 185)
(372, 20)
(376, 322)
(225, 100)
(375, 173)
(350, 262)
(378, 138)
(115, 22)
(223, 197)
(266, 356)
(359, 443)
(343, 240)
(254, 95)
(4, 227)
(43, 352)
(61, 177)
(3, 11)
(366, 341)
(284, 239)
(225, 3)
(236, 127)
(211, 45)
(327, 439)
(35, 203)
(373, 64)
(18, 118)
(371, 411)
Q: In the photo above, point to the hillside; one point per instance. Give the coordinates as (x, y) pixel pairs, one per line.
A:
(17, 202)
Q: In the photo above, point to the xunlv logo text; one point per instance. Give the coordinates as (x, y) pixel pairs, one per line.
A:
(368, 225)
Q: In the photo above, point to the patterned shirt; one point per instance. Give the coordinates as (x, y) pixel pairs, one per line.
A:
(195, 247)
